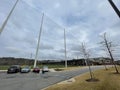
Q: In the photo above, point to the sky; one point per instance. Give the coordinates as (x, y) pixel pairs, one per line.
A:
(83, 21)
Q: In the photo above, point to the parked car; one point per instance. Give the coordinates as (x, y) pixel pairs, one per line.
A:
(14, 69)
(45, 69)
(36, 70)
(25, 69)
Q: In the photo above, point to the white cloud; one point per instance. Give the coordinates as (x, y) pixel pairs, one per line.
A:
(13, 49)
(57, 5)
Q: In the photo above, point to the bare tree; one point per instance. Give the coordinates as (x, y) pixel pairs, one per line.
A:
(108, 45)
(86, 55)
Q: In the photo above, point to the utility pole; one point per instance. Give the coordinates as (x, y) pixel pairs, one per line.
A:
(115, 7)
(37, 49)
(6, 20)
(65, 49)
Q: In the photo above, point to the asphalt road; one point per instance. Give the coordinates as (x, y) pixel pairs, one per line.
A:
(32, 81)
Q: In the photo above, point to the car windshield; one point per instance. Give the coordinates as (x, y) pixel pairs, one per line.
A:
(26, 68)
(13, 66)
(36, 67)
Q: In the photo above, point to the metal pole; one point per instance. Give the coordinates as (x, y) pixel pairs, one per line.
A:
(65, 49)
(5, 22)
(114, 7)
(36, 55)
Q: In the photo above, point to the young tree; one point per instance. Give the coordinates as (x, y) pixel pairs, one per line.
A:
(108, 45)
(86, 55)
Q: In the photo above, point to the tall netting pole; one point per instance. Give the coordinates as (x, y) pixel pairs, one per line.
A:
(5, 22)
(65, 49)
(36, 55)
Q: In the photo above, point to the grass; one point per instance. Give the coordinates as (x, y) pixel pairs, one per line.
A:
(4, 67)
(68, 68)
(57, 67)
(52, 66)
(107, 81)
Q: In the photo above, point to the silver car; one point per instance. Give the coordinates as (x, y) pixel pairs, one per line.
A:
(25, 69)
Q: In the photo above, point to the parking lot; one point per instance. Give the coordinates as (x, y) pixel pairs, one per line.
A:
(37, 81)
(4, 75)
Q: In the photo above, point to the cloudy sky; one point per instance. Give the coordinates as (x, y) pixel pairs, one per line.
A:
(83, 20)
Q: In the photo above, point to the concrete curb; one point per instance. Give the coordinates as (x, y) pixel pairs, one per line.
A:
(52, 70)
(2, 71)
(65, 81)
(69, 81)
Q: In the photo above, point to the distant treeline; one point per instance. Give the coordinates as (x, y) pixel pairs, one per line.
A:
(77, 62)
(24, 61)
(16, 61)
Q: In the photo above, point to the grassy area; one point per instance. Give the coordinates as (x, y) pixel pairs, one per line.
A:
(107, 81)
(51, 66)
(4, 67)
(68, 68)
(57, 67)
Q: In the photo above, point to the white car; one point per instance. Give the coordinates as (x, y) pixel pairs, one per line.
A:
(45, 69)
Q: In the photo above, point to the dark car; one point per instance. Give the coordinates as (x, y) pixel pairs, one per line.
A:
(14, 69)
(36, 70)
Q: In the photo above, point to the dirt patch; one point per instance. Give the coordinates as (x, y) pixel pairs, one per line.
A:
(92, 80)
(58, 69)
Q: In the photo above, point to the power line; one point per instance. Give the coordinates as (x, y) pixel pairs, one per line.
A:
(115, 8)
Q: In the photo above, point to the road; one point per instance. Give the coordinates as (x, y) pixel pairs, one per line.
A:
(32, 81)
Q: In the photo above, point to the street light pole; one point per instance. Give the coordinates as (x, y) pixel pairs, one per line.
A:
(36, 55)
(65, 49)
(5, 22)
(115, 7)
